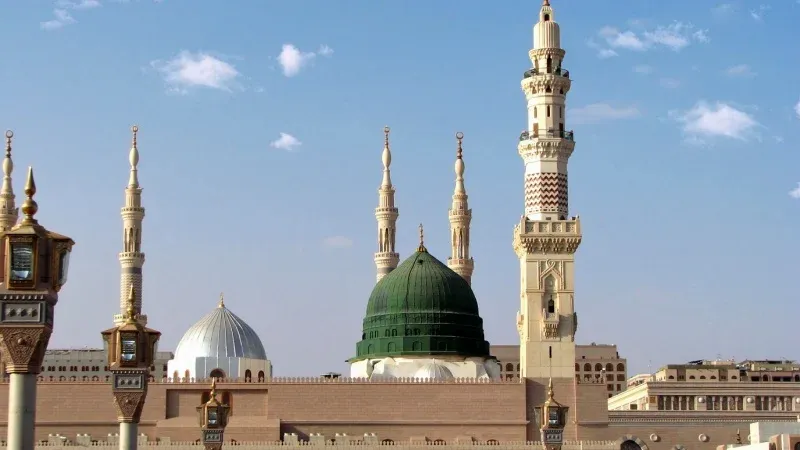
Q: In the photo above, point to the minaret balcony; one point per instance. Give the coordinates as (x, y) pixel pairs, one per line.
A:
(548, 134)
(559, 72)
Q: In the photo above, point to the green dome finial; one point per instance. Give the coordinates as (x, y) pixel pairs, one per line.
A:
(421, 247)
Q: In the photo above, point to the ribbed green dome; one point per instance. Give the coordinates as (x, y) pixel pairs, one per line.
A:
(422, 308)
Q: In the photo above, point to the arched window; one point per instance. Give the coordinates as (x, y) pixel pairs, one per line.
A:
(630, 445)
(535, 112)
(390, 347)
(551, 306)
(217, 373)
(691, 377)
(598, 367)
(587, 367)
(609, 367)
(248, 376)
(394, 332)
(549, 64)
(620, 367)
(260, 376)
(509, 367)
(765, 378)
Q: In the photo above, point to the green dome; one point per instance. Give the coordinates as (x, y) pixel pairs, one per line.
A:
(422, 308)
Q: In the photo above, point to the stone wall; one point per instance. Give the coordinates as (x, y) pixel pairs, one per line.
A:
(586, 445)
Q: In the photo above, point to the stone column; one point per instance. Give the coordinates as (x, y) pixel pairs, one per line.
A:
(130, 391)
(23, 348)
(128, 435)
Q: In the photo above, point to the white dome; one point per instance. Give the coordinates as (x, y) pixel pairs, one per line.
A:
(434, 371)
(220, 334)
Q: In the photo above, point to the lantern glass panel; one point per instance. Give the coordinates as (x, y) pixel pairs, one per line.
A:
(128, 351)
(22, 261)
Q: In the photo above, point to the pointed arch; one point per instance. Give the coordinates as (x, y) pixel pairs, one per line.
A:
(558, 281)
(385, 239)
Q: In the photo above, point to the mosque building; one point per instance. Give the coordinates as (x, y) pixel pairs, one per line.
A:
(422, 370)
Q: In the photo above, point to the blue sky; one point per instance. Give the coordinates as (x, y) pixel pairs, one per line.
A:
(261, 134)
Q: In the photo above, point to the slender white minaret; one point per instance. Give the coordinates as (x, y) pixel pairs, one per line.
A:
(460, 217)
(131, 259)
(9, 213)
(547, 238)
(386, 259)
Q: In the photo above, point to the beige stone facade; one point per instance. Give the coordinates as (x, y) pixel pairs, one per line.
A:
(89, 364)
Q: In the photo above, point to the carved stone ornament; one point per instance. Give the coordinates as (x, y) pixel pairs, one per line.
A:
(23, 347)
(129, 405)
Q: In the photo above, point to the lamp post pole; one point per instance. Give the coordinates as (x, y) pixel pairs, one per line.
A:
(35, 263)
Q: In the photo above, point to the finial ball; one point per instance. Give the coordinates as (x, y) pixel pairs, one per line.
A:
(135, 128)
(459, 135)
(9, 134)
(386, 129)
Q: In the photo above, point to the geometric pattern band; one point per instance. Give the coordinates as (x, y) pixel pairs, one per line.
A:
(546, 193)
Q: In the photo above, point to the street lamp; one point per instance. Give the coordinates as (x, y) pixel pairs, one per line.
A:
(35, 263)
(552, 418)
(131, 349)
(213, 419)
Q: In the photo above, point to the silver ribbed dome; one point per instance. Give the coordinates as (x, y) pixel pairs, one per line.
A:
(434, 371)
(220, 334)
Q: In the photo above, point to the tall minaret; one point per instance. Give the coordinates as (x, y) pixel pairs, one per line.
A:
(9, 213)
(386, 259)
(131, 259)
(546, 239)
(460, 217)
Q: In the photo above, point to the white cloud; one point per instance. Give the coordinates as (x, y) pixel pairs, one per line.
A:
(676, 36)
(598, 112)
(718, 120)
(670, 83)
(62, 19)
(795, 193)
(286, 142)
(643, 69)
(78, 4)
(338, 242)
(723, 9)
(292, 60)
(797, 105)
(740, 70)
(758, 14)
(199, 69)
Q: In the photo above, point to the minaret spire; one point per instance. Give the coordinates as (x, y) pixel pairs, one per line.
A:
(386, 258)
(9, 213)
(131, 259)
(460, 218)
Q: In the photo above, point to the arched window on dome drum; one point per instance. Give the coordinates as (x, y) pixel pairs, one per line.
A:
(370, 349)
(260, 376)
(630, 445)
(416, 346)
(390, 347)
(217, 373)
(248, 376)
(227, 399)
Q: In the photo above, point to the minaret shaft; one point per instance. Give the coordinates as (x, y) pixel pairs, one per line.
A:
(460, 216)
(546, 238)
(386, 214)
(131, 259)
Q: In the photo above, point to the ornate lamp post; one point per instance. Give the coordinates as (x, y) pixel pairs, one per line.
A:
(131, 349)
(35, 263)
(552, 418)
(213, 420)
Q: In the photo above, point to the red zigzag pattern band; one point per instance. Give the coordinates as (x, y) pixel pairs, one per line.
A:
(546, 192)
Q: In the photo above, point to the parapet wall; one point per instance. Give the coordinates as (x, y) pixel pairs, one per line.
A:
(583, 445)
(291, 380)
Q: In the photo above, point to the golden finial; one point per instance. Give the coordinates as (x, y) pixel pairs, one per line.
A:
(459, 138)
(213, 395)
(9, 135)
(221, 303)
(134, 130)
(550, 393)
(421, 247)
(29, 206)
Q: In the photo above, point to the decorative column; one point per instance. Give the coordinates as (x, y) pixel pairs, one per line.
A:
(131, 350)
(35, 262)
(460, 218)
(386, 258)
(213, 420)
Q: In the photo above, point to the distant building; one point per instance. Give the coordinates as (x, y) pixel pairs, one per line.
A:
(769, 385)
(89, 364)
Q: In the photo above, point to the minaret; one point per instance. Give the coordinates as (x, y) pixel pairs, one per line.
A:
(131, 259)
(546, 238)
(9, 213)
(460, 217)
(386, 259)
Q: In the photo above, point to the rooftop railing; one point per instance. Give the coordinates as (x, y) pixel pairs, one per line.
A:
(564, 134)
(559, 72)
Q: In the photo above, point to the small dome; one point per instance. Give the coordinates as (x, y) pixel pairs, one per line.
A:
(220, 334)
(434, 371)
(422, 308)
